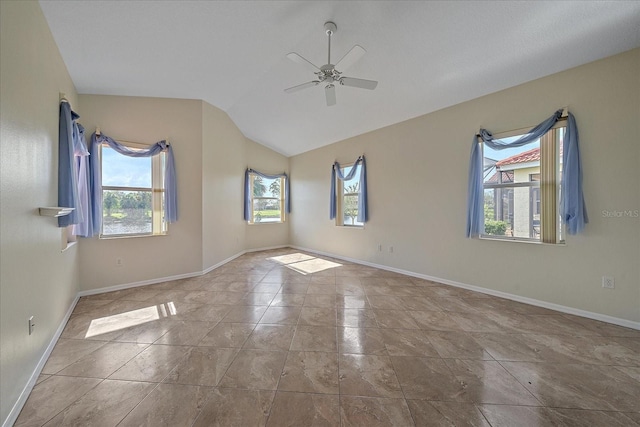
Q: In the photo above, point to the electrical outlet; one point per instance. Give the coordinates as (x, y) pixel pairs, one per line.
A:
(390, 249)
(32, 325)
(118, 262)
(608, 282)
(379, 247)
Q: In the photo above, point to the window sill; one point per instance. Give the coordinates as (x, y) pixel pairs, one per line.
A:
(516, 240)
(133, 236)
(266, 223)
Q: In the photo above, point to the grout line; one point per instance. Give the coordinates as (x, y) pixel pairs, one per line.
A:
(295, 326)
(476, 405)
(140, 402)
(522, 385)
(69, 405)
(404, 396)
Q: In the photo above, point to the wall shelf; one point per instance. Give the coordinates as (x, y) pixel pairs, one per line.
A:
(55, 211)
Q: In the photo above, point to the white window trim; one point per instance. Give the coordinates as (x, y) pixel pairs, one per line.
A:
(281, 200)
(553, 237)
(159, 226)
(340, 195)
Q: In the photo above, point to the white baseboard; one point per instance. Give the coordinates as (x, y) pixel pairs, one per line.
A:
(26, 391)
(136, 284)
(220, 264)
(268, 248)
(175, 277)
(531, 301)
(17, 407)
(22, 399)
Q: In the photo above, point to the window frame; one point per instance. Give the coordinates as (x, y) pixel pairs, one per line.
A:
(159, 225)
(341, 195)
(281, 200)
(550, 226)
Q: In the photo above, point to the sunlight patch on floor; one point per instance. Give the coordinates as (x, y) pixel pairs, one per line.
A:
(289, 258)
(304, 264)
(116, 322)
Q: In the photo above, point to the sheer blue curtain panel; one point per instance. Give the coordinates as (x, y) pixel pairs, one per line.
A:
(170, 184)
(336, 172)
(572, 206)
(68, 141)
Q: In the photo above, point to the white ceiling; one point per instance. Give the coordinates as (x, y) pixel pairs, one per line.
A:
(426, 55)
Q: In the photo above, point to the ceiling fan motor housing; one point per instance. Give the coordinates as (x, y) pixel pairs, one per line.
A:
(328, 74)
(330, 27)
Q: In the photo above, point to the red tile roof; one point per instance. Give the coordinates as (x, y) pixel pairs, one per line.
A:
(532, 155)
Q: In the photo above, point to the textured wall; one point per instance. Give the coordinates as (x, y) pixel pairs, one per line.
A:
(418, 184)
(36, 278)
(223, 149)
(148, 120)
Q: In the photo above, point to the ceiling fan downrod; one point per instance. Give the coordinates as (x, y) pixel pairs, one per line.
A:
(330, 28)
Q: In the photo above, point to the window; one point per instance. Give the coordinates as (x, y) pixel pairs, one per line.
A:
(132, 193)
(348, 194)
(522, 188)
(267, 199)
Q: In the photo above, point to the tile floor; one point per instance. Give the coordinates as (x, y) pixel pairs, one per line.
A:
(283, 338)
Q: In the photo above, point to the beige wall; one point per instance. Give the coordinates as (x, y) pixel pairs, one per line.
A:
(418, 183)
(417, 180)
(211, 156)
(265, 160)
(223, 149)
(36, 278)
(149, 120)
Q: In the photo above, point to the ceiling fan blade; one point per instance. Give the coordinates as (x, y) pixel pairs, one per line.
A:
(302, 86)
(330, 93)
(361, 83)
(350, 58)
(300, 60)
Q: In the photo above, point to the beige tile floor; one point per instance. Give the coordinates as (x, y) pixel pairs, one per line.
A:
(283, 338)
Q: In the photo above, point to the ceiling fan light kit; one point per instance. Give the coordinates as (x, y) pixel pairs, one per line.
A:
(328, 74)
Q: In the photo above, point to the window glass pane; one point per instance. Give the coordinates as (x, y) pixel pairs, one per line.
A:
(511, 164)
(263, 187)
(496, 218)
(512, 212)
(123, 171)
(266, 200)
(350, 193)
(266, 210)
(350, 210)
(126, 212)
(525, 223)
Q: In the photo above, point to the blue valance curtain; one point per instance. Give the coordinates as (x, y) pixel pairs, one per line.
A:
(572, 207)
(72, 169)
(336, 171)
(81, 155)
(248, 192)
(170, 185)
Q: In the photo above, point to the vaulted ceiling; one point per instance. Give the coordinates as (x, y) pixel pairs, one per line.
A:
(426, 55)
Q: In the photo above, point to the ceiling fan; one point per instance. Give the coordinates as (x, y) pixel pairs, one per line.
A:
(328, 73)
